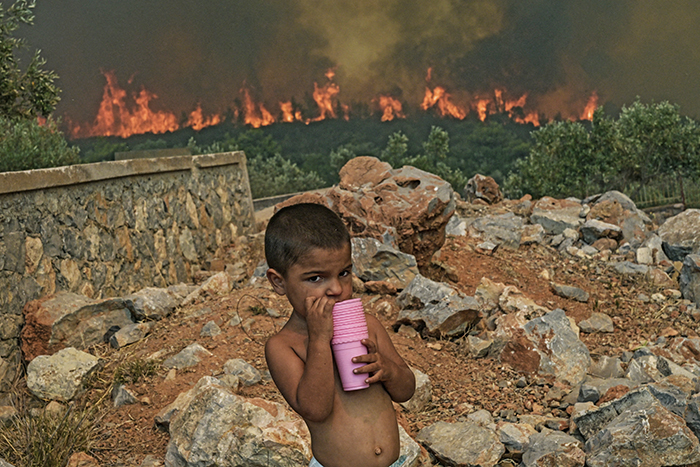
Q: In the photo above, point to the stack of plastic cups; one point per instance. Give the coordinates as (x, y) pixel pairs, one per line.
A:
(349, 328)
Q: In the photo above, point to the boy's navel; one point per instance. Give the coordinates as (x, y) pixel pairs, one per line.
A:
(377, 451)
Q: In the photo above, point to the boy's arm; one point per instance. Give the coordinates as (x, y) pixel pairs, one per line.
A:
(385, 364)
(309, 387)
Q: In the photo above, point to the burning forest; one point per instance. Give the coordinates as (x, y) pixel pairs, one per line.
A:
(125, 114)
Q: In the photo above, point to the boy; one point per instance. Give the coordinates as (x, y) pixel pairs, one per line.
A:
(307, 248)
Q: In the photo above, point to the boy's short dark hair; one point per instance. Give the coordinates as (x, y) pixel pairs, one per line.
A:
(295, 230)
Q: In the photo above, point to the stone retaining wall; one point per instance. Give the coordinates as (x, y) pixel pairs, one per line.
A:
(112, 228)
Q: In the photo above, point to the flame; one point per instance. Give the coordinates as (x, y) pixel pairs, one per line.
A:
(256, 115)
(197, 121)
(289, 115)
(590, 107)
(122, 115)
(391, 108)
(324, 97)
(116, 118)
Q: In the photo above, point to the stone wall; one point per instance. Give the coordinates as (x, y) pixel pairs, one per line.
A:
(112, 228)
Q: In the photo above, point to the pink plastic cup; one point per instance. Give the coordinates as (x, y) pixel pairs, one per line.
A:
(343, 354)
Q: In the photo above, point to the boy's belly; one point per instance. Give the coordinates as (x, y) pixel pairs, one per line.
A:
(362, 430)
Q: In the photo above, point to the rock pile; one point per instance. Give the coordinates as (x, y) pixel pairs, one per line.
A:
(638, 408)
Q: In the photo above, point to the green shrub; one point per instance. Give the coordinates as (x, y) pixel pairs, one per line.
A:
(27, 145)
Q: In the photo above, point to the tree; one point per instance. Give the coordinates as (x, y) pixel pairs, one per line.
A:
(645, 144)
(23, 94)
(31, 138)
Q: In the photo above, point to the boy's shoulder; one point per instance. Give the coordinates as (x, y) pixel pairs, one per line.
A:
(287, 337)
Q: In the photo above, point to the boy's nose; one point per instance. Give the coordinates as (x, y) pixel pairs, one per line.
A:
(334, 288)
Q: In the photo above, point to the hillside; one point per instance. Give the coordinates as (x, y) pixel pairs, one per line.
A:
(460, 384)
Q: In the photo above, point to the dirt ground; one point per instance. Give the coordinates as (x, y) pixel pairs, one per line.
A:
(460, 384)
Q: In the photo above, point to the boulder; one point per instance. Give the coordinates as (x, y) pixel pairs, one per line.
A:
(375, 261)
(644, 435)
(483, 188)
(408, 206)
(436, 308)
(60, 376)
(618, 209)
(215, 427)
(462, 443)
(503, 229)
(681, 234)
(152, 303)
(548, 345)
(69, 320)
(550, 448)
(556, 215)
(690, 278)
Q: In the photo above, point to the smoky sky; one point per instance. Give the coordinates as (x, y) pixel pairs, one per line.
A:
(187, 52)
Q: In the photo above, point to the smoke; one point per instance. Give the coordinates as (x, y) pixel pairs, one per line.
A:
(204, 52)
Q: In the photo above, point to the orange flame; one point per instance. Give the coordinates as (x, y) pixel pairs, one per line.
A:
(116, 118)
(324, 97)
(122, 115)
(391, 108)
(289, 115)
(255, 115)
(197, 121)
(590, 107)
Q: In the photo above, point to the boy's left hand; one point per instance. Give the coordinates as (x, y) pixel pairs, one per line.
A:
(378, 367)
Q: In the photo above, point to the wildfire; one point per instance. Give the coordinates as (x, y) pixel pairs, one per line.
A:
(123, 115)
(116, 118)
(590, 107)
(325, 96)
(391, 108)
(197, 120)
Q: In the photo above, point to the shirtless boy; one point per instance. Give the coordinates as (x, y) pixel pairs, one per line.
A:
(307, 248)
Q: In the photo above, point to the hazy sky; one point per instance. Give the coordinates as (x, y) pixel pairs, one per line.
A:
(189, 52)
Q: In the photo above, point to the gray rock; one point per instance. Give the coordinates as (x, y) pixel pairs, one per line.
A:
(553, 448)
(594, 388)
(60, 376)
(152, 303)
(504, 229)
(556, 215)
(215, 427)
(681, 234)
(4, 463)
(376, 261)
(598, 322)
(122, 396)
(439, 308)
(606, 367)
(644, 435)
(690, 278)
(567, 291)
(462, 443)
(456, 226)
(72, 321)
(515, 436)
(627, 267)
(422, 396)
(643, 369)
(561, 352)
(7, 413)
(187, 357)
(129, 334)
(246, 372)
(477, 347)
(210, 329)
(593, 229)
(532, 233)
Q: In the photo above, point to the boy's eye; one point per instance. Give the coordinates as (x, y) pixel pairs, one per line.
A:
(345, 274)
(314, 279)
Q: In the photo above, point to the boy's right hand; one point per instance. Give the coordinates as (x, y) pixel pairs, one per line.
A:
(319, 317)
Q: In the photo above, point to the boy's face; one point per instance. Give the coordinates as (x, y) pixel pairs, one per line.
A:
(319, 273)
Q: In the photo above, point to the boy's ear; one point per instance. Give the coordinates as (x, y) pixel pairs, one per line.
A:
(276, 281)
